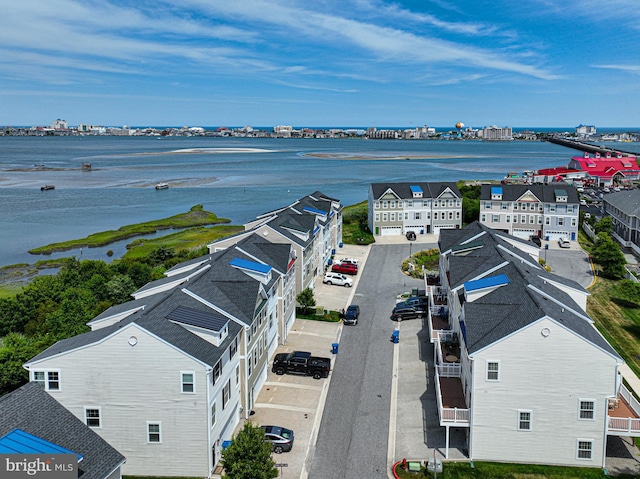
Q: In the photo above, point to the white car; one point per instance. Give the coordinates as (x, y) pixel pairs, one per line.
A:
(349, 260)
(564, 243)
(338, 279)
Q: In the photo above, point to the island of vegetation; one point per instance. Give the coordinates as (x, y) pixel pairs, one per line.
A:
(195, 217)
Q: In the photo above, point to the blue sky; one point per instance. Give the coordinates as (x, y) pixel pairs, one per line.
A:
(321, 63)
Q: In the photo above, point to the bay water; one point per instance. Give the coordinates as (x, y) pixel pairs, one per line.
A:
(235, 178)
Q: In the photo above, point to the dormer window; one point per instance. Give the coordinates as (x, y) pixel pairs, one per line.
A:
(496, 193)
(416, 191)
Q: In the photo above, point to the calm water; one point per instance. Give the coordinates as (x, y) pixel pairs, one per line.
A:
(119, 190)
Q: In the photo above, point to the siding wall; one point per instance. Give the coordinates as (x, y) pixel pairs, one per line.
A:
(133, 385)
(548, 376)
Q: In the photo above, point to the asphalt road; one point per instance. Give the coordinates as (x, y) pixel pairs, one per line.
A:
(354, 432)
(570, 263)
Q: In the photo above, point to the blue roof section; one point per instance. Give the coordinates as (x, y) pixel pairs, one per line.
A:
(496, 190)
(316, 211)
(250, 265)
(488, 282)
(415, 189)
(211, 321)
(19, 442)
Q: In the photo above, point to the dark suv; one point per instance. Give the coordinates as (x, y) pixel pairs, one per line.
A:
(401, 313)
(352, 315)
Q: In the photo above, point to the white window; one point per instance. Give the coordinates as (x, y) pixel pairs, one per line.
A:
(524, 420)
(552, 208)
(585, 449)
(504, 206)
(493, 371)
(377, 217)
(92, 416)
(450, 215)
(406, 216)
(587, 408)
(483, 219)
(384, 217)
(409, 203)
(508, 218)
(487, 205)
(523, 219)
(188, 382)
(377, 205)
(213, 414)
(238, 375)
(154, 433)
(417, 215)
(233, 349)
(385, 204)
(392, 204)
(531, 219)
(435, 215)
(226, 394)
(574, 221)
(515, 206)
(532, 206)
(495, 218)
(560, 221)
(50, 380)
(392, 216)
(547, 220)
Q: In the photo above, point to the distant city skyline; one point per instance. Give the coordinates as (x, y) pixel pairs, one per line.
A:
(350, 63)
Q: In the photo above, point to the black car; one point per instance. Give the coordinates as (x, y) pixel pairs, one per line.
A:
(536, 240)
(411, 235)
(352, 315)
(401, 313)
(280, 438)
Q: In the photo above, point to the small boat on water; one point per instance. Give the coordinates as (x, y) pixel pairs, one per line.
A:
(162, 186)
(47, 187)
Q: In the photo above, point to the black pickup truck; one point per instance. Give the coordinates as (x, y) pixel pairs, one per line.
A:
(301, 362)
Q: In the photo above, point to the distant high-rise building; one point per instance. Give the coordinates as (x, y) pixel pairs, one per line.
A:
(494, 132)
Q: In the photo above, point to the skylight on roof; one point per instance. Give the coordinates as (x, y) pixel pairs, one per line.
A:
(250, 265)
(489, 282)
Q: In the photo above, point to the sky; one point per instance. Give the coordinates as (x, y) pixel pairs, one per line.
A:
(348, 63)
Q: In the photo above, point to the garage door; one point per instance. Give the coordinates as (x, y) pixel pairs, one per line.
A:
(524, 234)
(390, 230)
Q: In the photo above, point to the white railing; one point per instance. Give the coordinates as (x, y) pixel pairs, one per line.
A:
(630, 398)
(450, 416)
(454, 416)
(449, 370)
(626, 425)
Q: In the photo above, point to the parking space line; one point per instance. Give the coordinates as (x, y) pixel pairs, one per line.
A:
(293, 385)
(285, 407)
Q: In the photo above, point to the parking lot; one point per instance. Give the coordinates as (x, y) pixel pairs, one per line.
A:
(296, 402)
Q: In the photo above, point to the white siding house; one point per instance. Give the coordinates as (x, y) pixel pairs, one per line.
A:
(519, 364)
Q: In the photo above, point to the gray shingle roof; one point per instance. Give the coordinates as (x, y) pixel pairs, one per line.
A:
(627, 201)
(545, 193)
(524, 300)
(31, 409)
(403, 190)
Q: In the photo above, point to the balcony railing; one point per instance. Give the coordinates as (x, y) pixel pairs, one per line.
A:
(624, 414)
(450, 416)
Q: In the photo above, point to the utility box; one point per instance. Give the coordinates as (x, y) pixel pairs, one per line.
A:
(395, 336)
(434, 465)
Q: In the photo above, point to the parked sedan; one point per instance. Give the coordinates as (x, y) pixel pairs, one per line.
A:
(280, 438)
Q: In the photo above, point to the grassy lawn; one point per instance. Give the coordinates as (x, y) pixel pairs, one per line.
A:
(195, 217)
(354, 224)
(492, 470)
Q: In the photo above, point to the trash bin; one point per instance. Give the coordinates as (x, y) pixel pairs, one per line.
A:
(395, 336)
(334, 348)
(226, 444)
(340, 244)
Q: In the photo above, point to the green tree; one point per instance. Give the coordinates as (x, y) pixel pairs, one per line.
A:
(15, 350)
(306, 300)
(605, 225)
(119, 288)
(607, 253)
(249, 456)
(470, 210)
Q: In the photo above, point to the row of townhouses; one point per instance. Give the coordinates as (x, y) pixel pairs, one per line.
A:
(166, 378)
(424, 208)
(519, 365)
(547, 211)
(624, 209)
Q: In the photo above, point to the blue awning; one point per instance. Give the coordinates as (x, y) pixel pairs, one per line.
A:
(488, 282)
(19, 442)
(250, 265)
